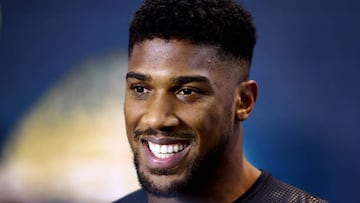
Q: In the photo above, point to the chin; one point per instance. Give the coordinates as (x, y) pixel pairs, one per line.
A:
(163, 183)
(162, 186)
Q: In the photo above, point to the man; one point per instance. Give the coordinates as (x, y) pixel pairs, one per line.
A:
(187, 93)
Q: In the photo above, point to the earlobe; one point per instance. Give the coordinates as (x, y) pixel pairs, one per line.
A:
(246, 99)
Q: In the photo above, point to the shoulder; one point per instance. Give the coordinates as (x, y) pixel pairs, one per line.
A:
(136, 196)
(291, 193)
(269, 189)
(274, 190)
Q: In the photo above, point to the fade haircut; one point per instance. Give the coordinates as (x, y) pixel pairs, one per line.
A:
(224, 24)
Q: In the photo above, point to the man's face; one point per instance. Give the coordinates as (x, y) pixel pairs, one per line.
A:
(179, 109)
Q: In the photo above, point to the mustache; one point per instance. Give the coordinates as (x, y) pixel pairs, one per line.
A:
(165, 133)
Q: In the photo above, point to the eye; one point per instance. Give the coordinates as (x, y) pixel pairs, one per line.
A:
(186, 91)
(189, 91)
(140, 89)
(187, 94)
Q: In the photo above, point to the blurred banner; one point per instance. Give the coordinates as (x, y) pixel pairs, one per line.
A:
(71, 146)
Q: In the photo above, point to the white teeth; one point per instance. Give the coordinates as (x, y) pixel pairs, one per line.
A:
(170, 149)
(165, 151)
(176, 148)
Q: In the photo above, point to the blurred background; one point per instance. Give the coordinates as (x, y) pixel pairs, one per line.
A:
(62, 63)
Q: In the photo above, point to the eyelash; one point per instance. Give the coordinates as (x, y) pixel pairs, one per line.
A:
(181, 93)
(136, 88)
(190, 91)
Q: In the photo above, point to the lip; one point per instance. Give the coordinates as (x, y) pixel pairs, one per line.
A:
(164, 163)
(166, 141)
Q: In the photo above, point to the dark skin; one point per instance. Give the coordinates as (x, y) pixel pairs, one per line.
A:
(173, 84)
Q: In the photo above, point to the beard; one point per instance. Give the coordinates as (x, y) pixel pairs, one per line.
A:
(198, 174)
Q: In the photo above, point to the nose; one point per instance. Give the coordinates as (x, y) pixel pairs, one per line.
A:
(160, 112)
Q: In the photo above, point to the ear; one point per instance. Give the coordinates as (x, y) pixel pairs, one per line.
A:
(246, 98)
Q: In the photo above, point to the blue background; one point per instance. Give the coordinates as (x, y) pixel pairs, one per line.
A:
(305, 127)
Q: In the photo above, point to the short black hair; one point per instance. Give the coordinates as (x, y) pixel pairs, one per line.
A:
(222, 23)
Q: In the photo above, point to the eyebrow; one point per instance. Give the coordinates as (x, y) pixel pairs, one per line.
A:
(189, 79)
(179, 79)
(138, 76)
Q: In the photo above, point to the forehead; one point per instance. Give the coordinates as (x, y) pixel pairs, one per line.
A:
(179, 55)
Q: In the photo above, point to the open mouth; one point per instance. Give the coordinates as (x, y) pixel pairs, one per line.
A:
(165, 153)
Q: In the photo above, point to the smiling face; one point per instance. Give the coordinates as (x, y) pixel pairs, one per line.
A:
(180, 111)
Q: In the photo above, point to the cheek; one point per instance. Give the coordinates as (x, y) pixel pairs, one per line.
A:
(211, 126)
(132, 113)
(131, 116)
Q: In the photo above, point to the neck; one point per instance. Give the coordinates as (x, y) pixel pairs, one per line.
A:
(233, 177)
